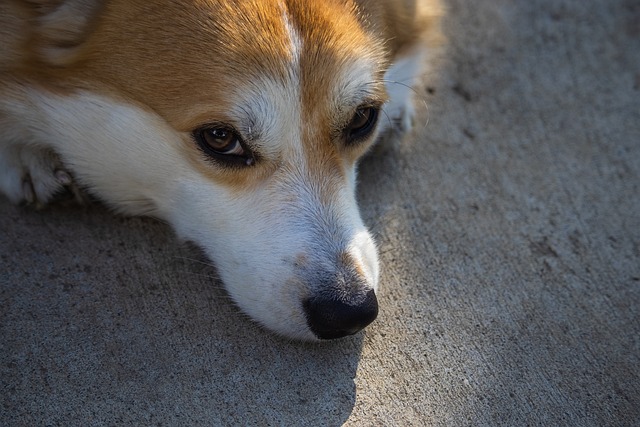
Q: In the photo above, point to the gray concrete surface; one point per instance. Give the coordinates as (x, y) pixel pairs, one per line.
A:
(509, 231)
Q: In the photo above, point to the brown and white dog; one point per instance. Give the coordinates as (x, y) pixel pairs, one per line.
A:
(240, 122)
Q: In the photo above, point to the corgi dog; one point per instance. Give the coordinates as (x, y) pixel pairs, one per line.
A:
(238, 122)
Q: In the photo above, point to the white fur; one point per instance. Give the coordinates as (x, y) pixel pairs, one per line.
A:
(271, 243)
(295, 40)
(400, 80)
(122, 153)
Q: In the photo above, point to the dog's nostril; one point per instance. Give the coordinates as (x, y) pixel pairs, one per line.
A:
(331, 318)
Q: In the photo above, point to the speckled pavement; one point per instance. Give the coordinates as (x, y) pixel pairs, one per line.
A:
(509, 234)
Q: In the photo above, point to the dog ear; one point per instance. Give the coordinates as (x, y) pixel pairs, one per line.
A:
(60, 27)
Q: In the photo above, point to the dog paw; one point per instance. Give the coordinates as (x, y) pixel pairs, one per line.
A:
(33, 175)
(399, 117)
(406, 118)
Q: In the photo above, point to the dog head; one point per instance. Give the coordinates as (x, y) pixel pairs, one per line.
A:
(241, 123)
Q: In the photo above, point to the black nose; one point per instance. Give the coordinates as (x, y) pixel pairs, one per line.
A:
(330, 318)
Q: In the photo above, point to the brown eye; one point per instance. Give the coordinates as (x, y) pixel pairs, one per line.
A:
(362, 123)
(222, 141)
(223, 144)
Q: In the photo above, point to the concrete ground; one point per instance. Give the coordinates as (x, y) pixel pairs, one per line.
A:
(509, 233)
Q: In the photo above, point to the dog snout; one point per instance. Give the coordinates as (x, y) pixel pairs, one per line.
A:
(330, 317)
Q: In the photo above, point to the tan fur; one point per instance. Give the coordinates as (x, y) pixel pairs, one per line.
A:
(63, 46)
(403, 22)
(164, 69)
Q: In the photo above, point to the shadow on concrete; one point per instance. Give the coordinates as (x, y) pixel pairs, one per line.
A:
(108, 319)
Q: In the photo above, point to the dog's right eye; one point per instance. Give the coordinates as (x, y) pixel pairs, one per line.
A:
(224, 145)
(362, 123)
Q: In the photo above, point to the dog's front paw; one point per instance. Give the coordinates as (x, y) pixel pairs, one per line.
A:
(33, 175)
(406, 118)
(400, 116)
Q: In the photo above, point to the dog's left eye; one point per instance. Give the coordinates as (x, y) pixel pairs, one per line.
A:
(362, 123)
(223, 144)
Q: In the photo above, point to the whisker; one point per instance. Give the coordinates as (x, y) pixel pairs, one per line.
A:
(419, 96)
(142, 206)
(208, 264)
(414, 90)
(388, 118)
(204, 276)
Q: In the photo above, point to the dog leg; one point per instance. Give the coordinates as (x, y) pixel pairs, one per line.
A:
(400, 81)
(32, 175)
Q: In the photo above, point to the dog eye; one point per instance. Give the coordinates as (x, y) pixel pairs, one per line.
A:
(362, 123)
(222, 141)
(223, 144)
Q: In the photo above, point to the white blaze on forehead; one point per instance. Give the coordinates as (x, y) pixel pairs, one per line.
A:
(270, 108)
(270, 116)
(295, 41)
